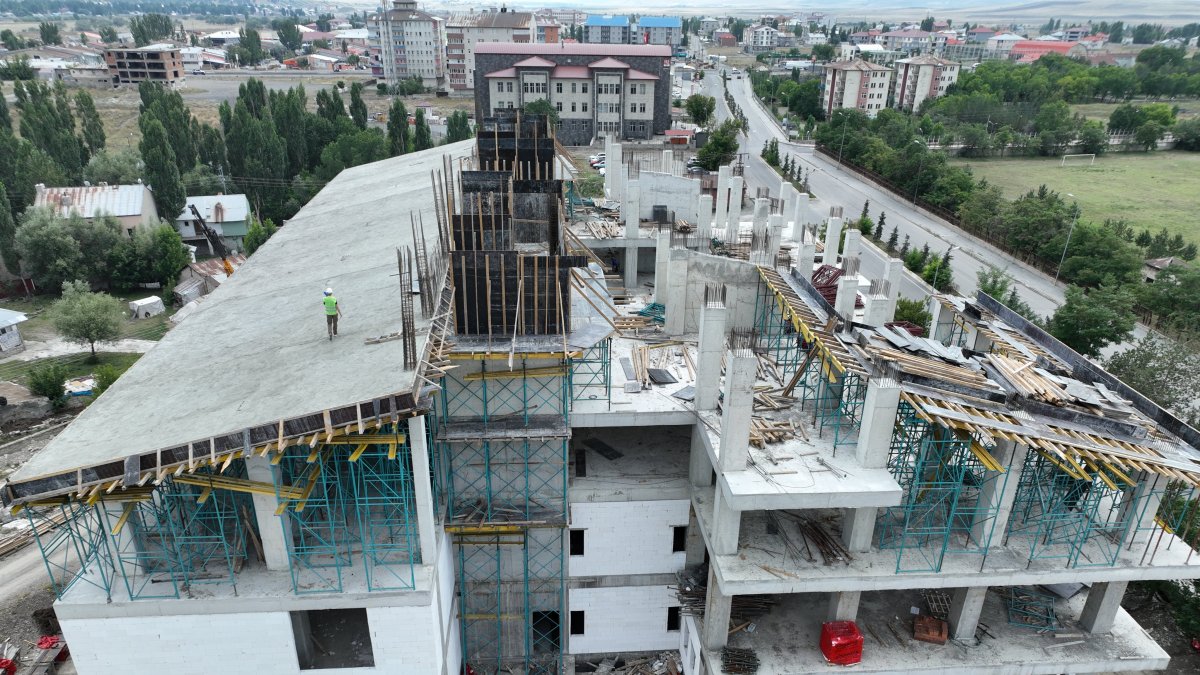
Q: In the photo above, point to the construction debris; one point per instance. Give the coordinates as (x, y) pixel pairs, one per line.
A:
(666, 663)
(735, 660)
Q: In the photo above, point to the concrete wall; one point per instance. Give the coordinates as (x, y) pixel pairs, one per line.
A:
(623, 619)
(741, 281)
(627, 537)
(679, 193)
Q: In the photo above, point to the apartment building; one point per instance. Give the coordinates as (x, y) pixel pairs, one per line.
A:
(607, 29)
(760, 38)
(911, 41)
(597, 89)
(856, 84)
(548, 31)
(405, 42)
(155, 63)
(464, 31)
(658, 30)
(920, 78)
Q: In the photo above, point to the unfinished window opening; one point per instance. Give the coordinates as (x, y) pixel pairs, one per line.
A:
(672, 618)
(577, 622)
(576, 542)
(333, 638)
(546, 632)
(679, 539)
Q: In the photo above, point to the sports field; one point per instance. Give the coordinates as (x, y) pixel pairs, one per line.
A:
(1150, 190)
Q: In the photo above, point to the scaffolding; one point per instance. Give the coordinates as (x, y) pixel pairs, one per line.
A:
(1073, 517)
(350, 498)
(590, 372)
(950, 485)
(74, 548)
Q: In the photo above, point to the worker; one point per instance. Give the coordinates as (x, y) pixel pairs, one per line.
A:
(332, 312)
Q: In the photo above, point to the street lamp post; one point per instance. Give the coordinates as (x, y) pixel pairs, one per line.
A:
(938, 268)
(843, 145)
(1071, 231)
(920, 169)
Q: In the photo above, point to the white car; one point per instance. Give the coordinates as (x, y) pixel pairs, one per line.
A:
(592, 159)
(601, 171)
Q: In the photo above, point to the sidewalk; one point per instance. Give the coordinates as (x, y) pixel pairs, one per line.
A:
(57, 346)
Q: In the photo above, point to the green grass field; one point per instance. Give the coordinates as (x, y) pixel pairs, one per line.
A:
(1102, 111)
(77, 365)
(1149, 190)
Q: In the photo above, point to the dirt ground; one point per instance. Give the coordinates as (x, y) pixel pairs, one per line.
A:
(20, 440)
(1154, 614)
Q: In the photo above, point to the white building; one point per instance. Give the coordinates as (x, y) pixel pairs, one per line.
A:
(202, 58)
(1004, 42)
(10, 334)
(406, 42)
(464, 31)
(658, 30)
(856, 84)
(607, 29)
(921, 78)
(918, 41)
(760, 38)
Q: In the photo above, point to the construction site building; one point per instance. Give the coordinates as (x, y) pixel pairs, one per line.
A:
(511, 461)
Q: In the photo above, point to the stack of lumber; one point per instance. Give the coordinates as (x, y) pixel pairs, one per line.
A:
(15, 539)
(631, 323)
(768, 398)
(763, 431)
(605, 229)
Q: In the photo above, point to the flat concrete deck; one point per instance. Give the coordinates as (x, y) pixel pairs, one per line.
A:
(653, 464)
(257, 350)
(786, 641)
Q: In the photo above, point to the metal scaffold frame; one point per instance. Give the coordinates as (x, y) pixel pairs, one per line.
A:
(501, 394)
(1059, 515)
(591, 372)
(949, 480)
(502, 480)
(779, 339)
(73, 544)
(351, 497)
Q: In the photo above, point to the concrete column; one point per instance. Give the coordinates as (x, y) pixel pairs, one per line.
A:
(736, 187)
(708, 363)
(1103, 603)
(700, 469)
(853, 247)
(726, 526)
(611, 160)
(879, 417)
(631, 208)
(858, 528)
(668, 162)
(775, 231)
(694, 549)
(270, 528)
(1141, 511)
(875, 312)
(998, 494)
(762, 212)
(833, 235)
(847, 293)
(965, 607)
(806, 258)
(722, 215)
(843, 606)
(741, 370)
(677, 272)
(631, 266)
(418, 441)
(716, 615)
(789, 196)
(662, 261)
(798, 211)
(895, 269)
(704, 218)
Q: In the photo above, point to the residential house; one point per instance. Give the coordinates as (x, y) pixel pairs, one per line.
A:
(83, 76)
(223, 38)
(1075, 33)
(865, 37)
(724, 38)
(1154, 266)
(132, 205)
(856, 84)
(548, 31)
(709, 25)
(910, 41)
(606, 29)
(464, 31)
(227, 215)
(1003, 43)
(868, 51)
(202, 58)
(1028, 51)
(760, 38)
(1094, 43)
(10, 335)
(658, 30)
(407, 42)
(920, 78)
(202, 277)
(981, 34)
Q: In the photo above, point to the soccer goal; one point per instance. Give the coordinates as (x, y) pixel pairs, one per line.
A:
(1079, 160)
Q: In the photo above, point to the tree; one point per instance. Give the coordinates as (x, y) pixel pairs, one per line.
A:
(914, 312)
(5, 118)
(397, 129)
(168, 256)
(50, 33)
(108, 34)
(823, 52)
(249, 49)
(1148, 135)
(10, 40)
(1164, 371)
(115, 167)
(50, 381)
(422, 137)
(538, 106)
(700, 108)
(358, 109)
(1093, 138)
(722, 146)
(998, 284)
(893, 239)
(289, 34)
(93, 128)
(877, 234)
(161, 170)
(8, 233)
(47, 250)
(86, 317)
(150, 27)
(257, 235)
(1187, 134)
(458, 127)
(1088, 322)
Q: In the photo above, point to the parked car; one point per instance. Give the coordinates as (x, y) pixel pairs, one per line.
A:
(601, 171)
(199, 72)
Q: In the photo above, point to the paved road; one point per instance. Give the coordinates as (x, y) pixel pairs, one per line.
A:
(834, 186)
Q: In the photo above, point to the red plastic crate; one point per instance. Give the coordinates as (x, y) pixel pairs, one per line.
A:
(841, 643)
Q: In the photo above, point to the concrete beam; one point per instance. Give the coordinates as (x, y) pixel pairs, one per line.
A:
(631, 208)
(858, 528)
(965, 607)
(741, 371)
(708, 363)
(721, 217)
(662, 260)
(726, 527)
(879, 418)
(843, 606)
(1103, 603)
(833, 237)
(704, 217)
(717, 607)
(270, 527)
(418, 441)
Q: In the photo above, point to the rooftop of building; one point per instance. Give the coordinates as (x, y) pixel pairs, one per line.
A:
(260, 364)
(659, 22)
(233, 208)
(578, 49)
(906, 33)
(93, 200)
(9, 317)
(856, 64)
(502, 19)
(928, 60)
(609, 20)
